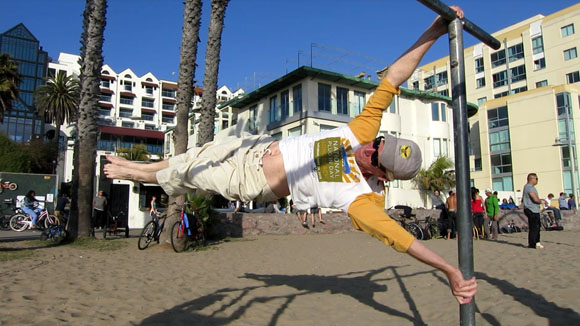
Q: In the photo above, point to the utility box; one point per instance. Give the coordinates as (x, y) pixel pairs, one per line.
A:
(16, 185)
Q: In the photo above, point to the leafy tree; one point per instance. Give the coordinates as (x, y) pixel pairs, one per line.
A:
(58, 101)
(9, 81)
(439, 176)
(13, 157)
(210, 79)
(135, 153)
(33, 157)
(94, 21)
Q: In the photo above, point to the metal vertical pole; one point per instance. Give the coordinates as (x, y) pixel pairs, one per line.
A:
(464, 220)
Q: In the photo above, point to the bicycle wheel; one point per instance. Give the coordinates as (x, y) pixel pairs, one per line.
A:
(147, 235)
(17, 222)
(200, 236)
(51, 221)
(179, 238)
(546, 223)
(415, 230)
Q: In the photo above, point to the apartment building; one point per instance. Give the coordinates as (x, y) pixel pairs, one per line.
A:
(309, 100)
(133, 110)
(535, 73)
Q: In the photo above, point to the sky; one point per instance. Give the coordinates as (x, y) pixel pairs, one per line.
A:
(262, 39)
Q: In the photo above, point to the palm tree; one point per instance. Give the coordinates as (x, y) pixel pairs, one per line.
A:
(439, 176)
(9, 81)
(135, 153)
(212, 60)
(187, 65)
(58, 100)
(94, 21)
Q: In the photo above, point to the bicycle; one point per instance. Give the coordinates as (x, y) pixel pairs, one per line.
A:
(412, 227)
(188, 232)
(112, 225)
(431, 228)
(21, 221)
(56, 233)
(151, 231)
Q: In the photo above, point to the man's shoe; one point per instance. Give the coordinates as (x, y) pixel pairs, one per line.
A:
(539, 246)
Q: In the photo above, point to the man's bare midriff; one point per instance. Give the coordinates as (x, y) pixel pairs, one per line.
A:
(273, 165)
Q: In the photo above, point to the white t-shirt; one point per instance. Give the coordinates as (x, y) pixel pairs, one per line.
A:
(321, 169)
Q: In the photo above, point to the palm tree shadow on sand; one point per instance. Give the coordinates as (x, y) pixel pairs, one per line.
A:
(358, 285)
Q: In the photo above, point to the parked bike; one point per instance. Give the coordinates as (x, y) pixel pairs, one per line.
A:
(7, 185)
(188, 232)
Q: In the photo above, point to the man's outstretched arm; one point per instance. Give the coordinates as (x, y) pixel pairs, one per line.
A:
(462, 289)
(366, 125)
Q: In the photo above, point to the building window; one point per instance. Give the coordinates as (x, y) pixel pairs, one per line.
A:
(499, 140)
(285, 104)
(127, 124)
(167, 118)
(515, 52)
(105, 98)
(126, 100)
(540, 64)
(125, 113)
(441, 78)
(480, 82)
(570, 54)
(277, 136)
(150, 127)
(542, 83)
(479, 65)
(273, 109)
(149, 90)
(477, 164)
(513, 91)
(342, 101)
(360, 101)
(105, 83)
(168, 93)
(503, 183)
(573, 77)
(168, 106)
(498, 58)
(439, 147)
(518, 73)
(295, 132)
(481, 100)
(106, 112)
(499, 79)
(567, 30)
(323, 97)
(416, 84)
(497, 117)
(297, 98)
(444, 92)
(429, 82)
(252, 120)
(147, 103)
(147, 116)
(438, 112)
(127, 85)
(501, 163)
(538, 44)
(392, 107)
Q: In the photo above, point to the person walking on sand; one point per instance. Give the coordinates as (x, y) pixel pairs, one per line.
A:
(532, 210)
(315, 210)
(344, 167)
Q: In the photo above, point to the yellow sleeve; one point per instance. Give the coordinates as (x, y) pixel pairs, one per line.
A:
(367, 213)
(366, 125)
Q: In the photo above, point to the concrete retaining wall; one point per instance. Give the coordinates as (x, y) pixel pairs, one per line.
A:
(251, 224)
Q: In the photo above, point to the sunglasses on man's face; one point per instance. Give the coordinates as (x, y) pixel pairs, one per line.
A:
(375, 155)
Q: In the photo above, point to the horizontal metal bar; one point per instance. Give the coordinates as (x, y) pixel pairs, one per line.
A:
(449, 14)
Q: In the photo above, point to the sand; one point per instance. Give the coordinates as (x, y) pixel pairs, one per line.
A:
(343, 279)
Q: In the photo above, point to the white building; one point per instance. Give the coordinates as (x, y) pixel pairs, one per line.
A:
(133, 110)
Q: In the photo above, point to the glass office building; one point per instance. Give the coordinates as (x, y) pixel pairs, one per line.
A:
(22, 123)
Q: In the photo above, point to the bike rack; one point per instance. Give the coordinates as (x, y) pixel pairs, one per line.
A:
(460, 126)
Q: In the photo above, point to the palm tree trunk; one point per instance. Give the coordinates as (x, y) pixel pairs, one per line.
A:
(92, 61)
(187, 65)
(210, 79)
